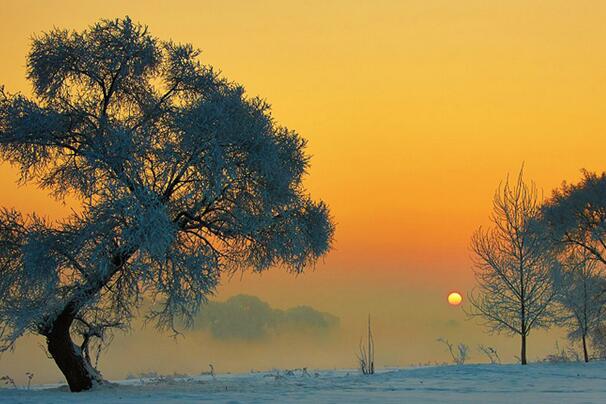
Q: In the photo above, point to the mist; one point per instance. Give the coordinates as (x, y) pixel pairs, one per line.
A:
(406, 316)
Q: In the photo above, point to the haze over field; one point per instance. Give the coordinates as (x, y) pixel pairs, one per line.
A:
(414, 111)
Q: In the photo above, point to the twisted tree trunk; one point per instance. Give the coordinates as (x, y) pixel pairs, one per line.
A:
(70, 359)
(79, 374)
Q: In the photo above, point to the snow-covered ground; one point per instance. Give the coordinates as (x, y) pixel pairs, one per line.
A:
(535, 383)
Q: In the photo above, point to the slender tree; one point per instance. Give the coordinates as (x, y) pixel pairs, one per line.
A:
(512, 266)
(366, 357)
(579, 295)
(180, 177)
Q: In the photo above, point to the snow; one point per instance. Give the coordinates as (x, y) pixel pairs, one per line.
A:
(536, 383)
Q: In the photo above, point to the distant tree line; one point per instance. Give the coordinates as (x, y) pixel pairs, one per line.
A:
(542, 263)
(248, 318)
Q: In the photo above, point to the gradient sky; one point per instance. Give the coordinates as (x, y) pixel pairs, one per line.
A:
(414, 111)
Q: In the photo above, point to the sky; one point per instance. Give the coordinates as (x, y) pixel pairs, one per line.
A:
(414, 112)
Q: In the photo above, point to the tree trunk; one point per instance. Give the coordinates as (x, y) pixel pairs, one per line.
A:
(79, 374)
(523, 352)
(585, 355)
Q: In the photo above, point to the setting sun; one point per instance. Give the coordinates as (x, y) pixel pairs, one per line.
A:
(455, 298)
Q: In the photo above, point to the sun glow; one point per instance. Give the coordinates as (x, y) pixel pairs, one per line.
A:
(455, 298)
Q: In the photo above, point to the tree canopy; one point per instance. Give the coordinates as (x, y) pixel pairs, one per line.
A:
(575, 215)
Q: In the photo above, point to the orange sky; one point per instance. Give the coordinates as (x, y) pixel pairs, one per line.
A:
(414, 111)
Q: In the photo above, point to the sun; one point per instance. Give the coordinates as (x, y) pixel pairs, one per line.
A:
(454, 298)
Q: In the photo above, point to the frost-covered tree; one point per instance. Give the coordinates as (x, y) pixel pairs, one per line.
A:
(575, 215)
(180, 175)
(512, 266)
(579, 295)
